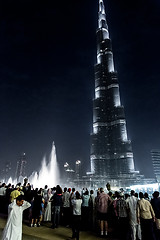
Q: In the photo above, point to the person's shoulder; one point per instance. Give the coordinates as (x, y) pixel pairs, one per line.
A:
(106, 195)
(12, 205)
(139, 201)
(146, 201)
(128, 199)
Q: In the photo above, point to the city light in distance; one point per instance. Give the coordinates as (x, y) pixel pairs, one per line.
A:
(78, 162)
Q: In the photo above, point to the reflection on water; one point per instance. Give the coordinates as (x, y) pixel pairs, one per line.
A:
(25, 237)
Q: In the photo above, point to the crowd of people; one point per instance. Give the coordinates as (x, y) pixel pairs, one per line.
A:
(126, 216)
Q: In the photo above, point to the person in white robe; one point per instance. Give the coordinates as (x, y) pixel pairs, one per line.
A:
(135, 226)
(48, 210)
(13, 228)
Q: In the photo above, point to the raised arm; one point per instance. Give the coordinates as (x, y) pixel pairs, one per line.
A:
(25, 205)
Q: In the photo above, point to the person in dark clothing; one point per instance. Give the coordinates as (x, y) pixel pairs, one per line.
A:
(57, 203)
(28, 196)
(8, 193)
(37, 207)
(91, 210)
(155, 202)
(2, 197)
(123, 220)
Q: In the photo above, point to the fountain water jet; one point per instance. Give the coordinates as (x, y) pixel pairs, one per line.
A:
(48, 174)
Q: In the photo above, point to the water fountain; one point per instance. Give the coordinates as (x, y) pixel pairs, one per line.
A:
(48, 174)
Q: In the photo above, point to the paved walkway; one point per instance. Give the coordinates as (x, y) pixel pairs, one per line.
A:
(45, 232)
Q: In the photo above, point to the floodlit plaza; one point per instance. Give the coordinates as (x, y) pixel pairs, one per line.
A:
(46, 232)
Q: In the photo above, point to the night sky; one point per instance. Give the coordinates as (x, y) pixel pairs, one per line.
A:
(47, 57)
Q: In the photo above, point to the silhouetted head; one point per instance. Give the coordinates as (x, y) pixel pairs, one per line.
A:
(101, 190)
(126, 195)
(91, 191)
(136, 195)
(58, 190)
(78, 196)
(116, 194)
(19, 200)
(9, 185)
(39, 192)
(86, 192)
(141, 195)
(146, 195)
(156, 194)
(110, 194)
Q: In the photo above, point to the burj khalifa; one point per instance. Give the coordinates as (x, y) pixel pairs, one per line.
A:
(111, 150)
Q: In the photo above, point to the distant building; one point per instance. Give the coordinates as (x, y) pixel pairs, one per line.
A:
(21, 166)
(6, 171)
(155, 156)
(69, 173)
(78, 169)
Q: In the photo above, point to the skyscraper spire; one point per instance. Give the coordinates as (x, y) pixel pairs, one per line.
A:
(103, 40)
(102, 22)
(101, 7)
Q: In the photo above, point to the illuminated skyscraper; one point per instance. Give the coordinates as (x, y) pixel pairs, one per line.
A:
(78, 169)
(21, 165)
(6, 170)
(111, 151)
(155, 156)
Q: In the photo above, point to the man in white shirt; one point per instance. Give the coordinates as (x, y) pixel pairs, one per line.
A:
(13, 228)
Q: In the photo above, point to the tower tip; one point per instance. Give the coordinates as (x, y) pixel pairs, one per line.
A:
(101, 7)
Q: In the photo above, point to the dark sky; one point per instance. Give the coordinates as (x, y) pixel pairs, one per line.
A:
(47, 57)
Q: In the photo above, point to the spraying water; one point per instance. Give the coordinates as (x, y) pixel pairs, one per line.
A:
(48, 174)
